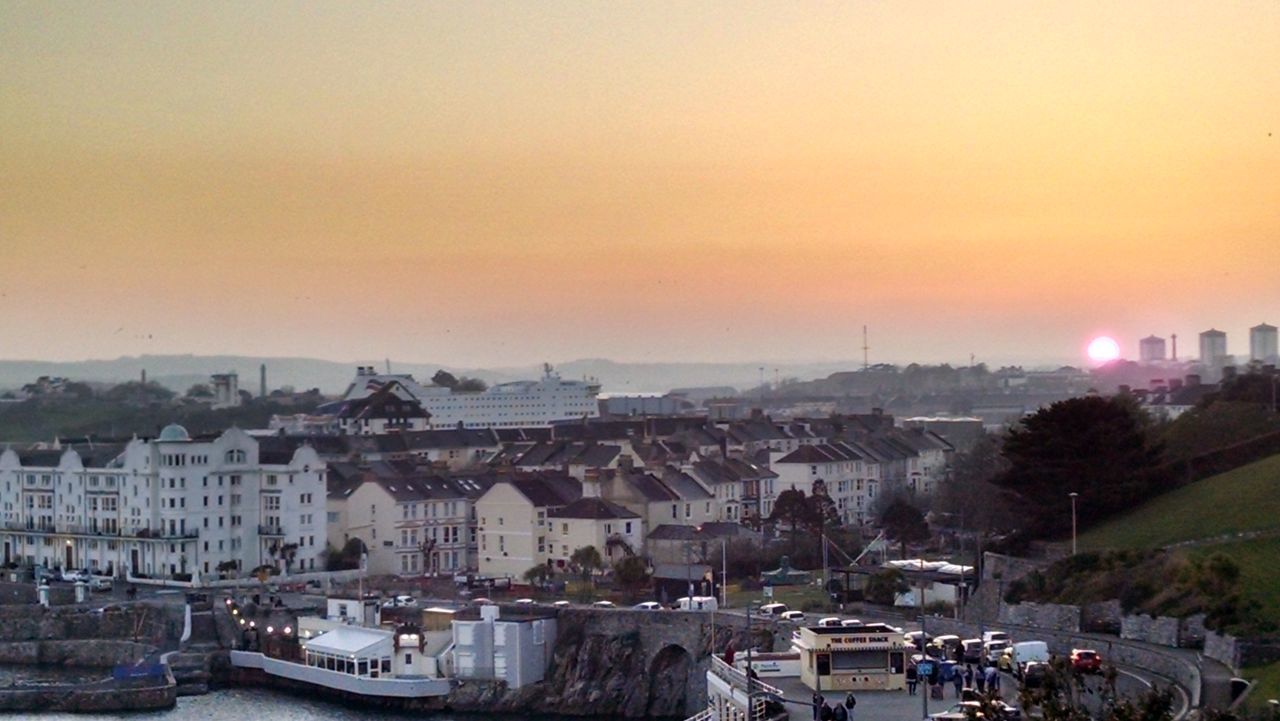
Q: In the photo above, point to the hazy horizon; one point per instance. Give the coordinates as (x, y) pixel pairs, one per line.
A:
(489, 185)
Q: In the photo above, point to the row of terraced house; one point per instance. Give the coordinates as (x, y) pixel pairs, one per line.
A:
(442, 501)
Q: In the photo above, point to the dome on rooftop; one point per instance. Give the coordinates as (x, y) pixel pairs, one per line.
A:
(174, 432)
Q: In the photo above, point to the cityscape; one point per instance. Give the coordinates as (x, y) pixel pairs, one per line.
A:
(698, 362)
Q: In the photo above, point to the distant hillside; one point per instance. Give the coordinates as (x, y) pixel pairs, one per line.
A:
(179, 372)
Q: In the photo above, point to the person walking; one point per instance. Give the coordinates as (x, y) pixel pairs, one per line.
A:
(980, 678)
(913, 677)
(817, 706)
(957, 681)
(849, 702)
(968, 676)
(827, 714)
(840, 714)
(992, 675)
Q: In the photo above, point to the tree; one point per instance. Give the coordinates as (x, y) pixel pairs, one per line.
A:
(347, 558)
(427, 547)
(445, 378)
(884, 586)
(473, 385)
(199, 390)
(585, 561)
(538, 576)
(632, 572)
(1216, 425)
(904, 523)
(969, 497)
(794, 510)
(1096, 447)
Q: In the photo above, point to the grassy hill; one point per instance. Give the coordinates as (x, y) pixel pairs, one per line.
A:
(1241, 500)
(1244, 500)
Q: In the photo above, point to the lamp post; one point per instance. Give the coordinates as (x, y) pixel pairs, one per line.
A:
(1073, 495)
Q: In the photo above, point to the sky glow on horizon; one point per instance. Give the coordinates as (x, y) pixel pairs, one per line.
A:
(490, 184)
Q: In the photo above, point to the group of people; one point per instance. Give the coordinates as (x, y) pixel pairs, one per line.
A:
(824, 711)
(985, 677)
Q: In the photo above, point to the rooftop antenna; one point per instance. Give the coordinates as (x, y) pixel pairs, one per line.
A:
(866, 350)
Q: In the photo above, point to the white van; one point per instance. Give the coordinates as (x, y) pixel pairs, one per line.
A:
(1026, 652)
(774, 609)
(995, 636)
(698, 603)
(993, 650)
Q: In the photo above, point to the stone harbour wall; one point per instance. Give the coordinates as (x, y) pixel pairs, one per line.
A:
(101, 653)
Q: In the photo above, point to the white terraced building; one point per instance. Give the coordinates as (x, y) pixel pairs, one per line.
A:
(164, 507)
(519, 404)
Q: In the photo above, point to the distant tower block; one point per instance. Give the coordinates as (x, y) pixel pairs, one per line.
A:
(262, 380)
(1151, 349)
(1174, 338)
(1213, 347)
(1262, 343)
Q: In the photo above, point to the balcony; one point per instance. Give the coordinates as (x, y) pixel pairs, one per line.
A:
(91, 532)
(276, 531)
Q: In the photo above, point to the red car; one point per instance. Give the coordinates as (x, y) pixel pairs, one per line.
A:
(1086, 660)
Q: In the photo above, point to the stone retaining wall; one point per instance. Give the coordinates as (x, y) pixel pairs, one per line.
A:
(1187, 632)
(99, 698)
(1053, 616)
(78, 653)
(1180, 670)
(1236, 653)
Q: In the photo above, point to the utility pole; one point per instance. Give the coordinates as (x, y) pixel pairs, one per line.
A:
(1073, 495)
(750, 643)
(928, 683)
(866, 350)
(724, 572)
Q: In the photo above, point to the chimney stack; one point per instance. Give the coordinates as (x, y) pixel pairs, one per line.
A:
(262, 380)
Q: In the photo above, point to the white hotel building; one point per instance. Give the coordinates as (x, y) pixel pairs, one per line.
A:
(163, 507)
(519, 404)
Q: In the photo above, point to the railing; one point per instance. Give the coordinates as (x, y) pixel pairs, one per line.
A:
(738, 679)
(78, 530)
(270, 531)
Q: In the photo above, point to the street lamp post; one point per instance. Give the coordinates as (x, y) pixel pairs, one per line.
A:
(1073, 495)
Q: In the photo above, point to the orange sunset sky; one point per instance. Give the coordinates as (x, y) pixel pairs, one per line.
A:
(480, 183)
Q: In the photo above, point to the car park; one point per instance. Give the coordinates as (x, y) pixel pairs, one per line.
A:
(948, 644)
(795, 616)
(989, 636)
(1086, 660)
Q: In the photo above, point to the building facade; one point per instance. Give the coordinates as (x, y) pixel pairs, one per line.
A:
(172, 507)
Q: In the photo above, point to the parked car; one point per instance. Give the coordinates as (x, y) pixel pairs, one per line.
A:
(1086, 660)
(99, 583)
(481, 601)
(44, 575)
(794, 616)
(697, 603)
(990, 636)
(604, 604)
(1034, 674)
(72, 575)
(774, 609)
(918, 639)
(851, 622)
(971, 650)
(949, 645)
(829, 622)
(994, 650)
(525, 601)
(562, 604)
(1004, 712)
(648, 606)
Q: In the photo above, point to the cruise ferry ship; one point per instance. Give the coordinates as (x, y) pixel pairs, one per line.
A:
(519, 404)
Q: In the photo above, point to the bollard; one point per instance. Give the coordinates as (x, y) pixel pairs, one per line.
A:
(82, 591)
(42, 594)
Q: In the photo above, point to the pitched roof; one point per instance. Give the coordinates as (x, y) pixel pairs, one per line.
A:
(547, 491)
(592, 508)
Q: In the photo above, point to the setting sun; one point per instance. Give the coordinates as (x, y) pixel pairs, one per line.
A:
(1103, 349)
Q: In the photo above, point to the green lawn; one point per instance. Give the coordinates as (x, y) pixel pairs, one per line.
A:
(1268, 678)
(796, 597)
(1244, 499)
